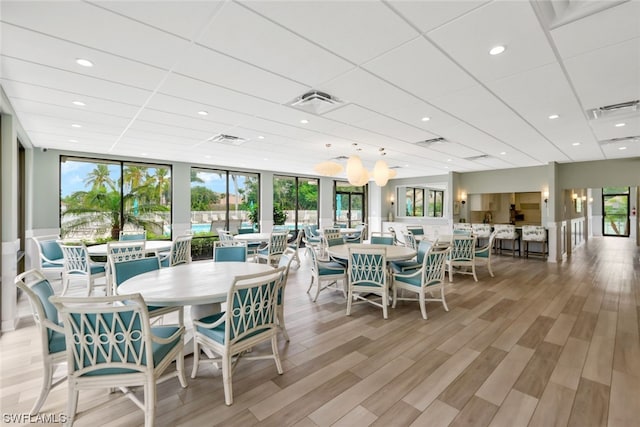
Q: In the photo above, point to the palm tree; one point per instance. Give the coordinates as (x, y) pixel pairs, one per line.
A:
(100, 178)
(134, 176)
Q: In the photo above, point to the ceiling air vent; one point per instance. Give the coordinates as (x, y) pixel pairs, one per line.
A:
(625, 139)
(431, 142)
(614, 109)
(227, 139)
(480, 157)
(316, 102)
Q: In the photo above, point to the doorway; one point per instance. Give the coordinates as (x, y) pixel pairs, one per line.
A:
(349, 203)
(615, 208)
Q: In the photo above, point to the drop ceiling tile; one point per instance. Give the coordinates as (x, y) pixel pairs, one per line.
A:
(212, 67)
(189, 110)
(68, 116)
(39, 75)
(425, 70)
(173, 120)
(183, 18)
(511, 23)
(607, 76)
(609, 27)
(37, 48)
(331, 25)
(428, 15)
(97, 28)
(269, 46)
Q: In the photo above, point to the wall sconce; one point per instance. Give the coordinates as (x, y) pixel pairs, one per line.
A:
(546, 196)
(584, 198)
(463, 197)
(590, 199)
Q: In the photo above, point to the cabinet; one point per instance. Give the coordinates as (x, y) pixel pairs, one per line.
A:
(481, 202)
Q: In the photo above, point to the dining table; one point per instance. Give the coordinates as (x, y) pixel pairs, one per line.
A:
(394, 252)
(150, 246)
(252, 237)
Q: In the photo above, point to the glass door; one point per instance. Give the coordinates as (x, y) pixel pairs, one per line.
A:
(350, 203)
(615, 208)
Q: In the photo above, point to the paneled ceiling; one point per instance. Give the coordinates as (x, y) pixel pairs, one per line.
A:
(404, 71)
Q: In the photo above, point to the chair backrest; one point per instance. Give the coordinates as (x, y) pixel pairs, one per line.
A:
(251, 305)
(133, 235)
(416, 230)
(125, 251)
(224, 235)
(463, 248)
(410, 240)
(295, 244)
(331, 233)
(534, 233)
(505, 231)
(434, 266)
(277, 243)
(106, 335)
(124, 270)
(378, 238)
(423, 249)
(38, 290)
(226, 252)
(76, 257)
(367, 267)
(180, 250)
(481, 230)
(49, 250)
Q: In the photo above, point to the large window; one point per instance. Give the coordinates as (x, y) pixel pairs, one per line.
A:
(99, 198)
(414, 201)
(436, 198)
(295, 201)
(223, 200)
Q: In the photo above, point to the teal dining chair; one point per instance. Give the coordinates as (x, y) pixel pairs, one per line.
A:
(111, 345)
(367, 275)
(50, 330)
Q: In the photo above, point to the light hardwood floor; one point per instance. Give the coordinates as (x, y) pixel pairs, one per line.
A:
(539, 345)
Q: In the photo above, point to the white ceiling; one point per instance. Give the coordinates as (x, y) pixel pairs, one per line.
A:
(157, 63)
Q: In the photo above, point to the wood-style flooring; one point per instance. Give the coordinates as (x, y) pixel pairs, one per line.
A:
(540, 344)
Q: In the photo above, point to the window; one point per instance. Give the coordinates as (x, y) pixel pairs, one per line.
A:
(436, 198)
(223, 199)
(615, 206)
(414, 201)
(350, 203)
(295, 201)
(99, 198)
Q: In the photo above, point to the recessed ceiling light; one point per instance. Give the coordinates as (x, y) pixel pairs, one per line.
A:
(304, 121)
(502, 153)
(84, 62)
(406, 166)
(619, 125)
(260, 137)
(553, 116)
(203, 113)
(497, 50)
(75, 125)
(265, 159)
(575, 144)
(449, 160)
(144, 154)
(425, 119)
(446, 167)
(79, 103)
(622, 148)
(207, 156)
(73, 140)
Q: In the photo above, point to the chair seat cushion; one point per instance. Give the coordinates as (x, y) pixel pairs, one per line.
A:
(331, 267)
(55, 263)
(413, 280)
(95, 269)
(404, 266)
(159, 351)
(483, 254)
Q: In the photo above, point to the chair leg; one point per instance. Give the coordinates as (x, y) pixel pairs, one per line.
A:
(72, 404)
(349, 299)
(310, 284)
(226, 379)
(196, 358)
(281, 323)
(385, 303)
(489, 267)
(180, 369)
(394, 297)
(473, 270)
(149, 404)
(423, 308)
(46, 387)
(318, 288)
(276, 354)
(444, 302)
(450, 273)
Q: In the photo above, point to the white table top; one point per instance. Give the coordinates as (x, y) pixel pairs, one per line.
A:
(394, 253)
(344, 230)
(253, 237)
(150, 246)
(202, 282)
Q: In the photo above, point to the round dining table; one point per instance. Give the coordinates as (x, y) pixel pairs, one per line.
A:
(196, 283)
(394, 252)
(252, 237)
(149, 246)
